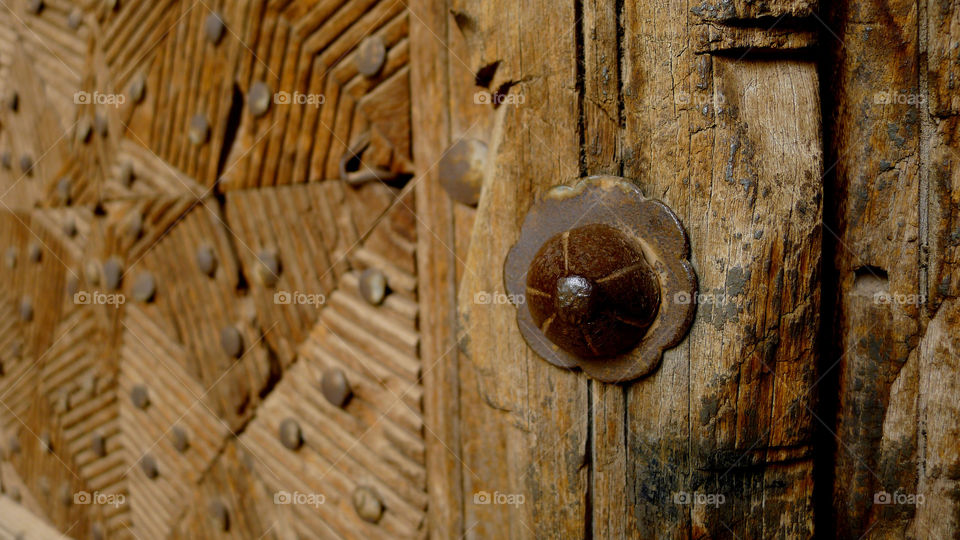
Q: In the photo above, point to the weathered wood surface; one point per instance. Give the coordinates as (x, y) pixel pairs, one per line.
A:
(97, 199)
(732, 143)
(893, 157)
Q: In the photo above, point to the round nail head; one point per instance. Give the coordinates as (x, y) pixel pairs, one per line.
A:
(126, 173)
(34, 252)
(290, 434)
(461, 170)
(259, 98)
(199, 129)
(6, 160)
(102, 124)
(11, 258)
(26, 309)
(144, 287)
(149, 466)
(371, 55)
(179, 439)
(26, 164)
(14, 444)
(373, 286)
(138, 87)
(140, 396)
(268, 267)
(98, 445)
(84, 129)
(112, 273)
(213, 27)
(367, 504)
(46, 443)
(231, 341)
(206, 259)
(134, 226)
(35, 6)
(70, 226)
(75, 18)
(13, 101)
(219, 516)
(63, 190)
(335, 387)
(91, 271)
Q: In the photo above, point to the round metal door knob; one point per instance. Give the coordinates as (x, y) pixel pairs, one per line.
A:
(335, 387)
(367, 504)
(461, 170)
(290, 434)
(599, 275)
(371, 55)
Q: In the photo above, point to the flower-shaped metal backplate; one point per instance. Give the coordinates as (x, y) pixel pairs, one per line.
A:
(654, 230)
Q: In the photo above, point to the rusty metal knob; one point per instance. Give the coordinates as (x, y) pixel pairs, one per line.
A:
(591, 291)
(594, 275)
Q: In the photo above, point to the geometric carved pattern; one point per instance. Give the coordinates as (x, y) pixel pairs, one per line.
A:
(170, 401)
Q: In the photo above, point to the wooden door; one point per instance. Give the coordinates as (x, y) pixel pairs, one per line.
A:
(253, 279)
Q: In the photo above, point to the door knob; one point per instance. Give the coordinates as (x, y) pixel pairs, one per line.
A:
(601, 279)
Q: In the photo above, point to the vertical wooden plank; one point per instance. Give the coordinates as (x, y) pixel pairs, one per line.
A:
(530, 421)
(436, 268)
(719, 438)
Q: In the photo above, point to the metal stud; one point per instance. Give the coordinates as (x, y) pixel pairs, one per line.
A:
(84, 129)
(180, 440)
(26, 164)
(6, 160)
(14, 444)
(111, 5)
(10, 258)
(144, 287)
(371, 55)
(335, 387)
(98, 445)
(149, 466)
(102, 124)
(63, 190)
(26, 308)
(75, 18)
(213, 27)
(112, 273)
(13, 101)
(219, 515)
(268, 267)
(91, 271)
(259, 98)
(206, 259)
(290, 434)
(367, 504)
(140, 396)
(199, 129)
(138, 87)
(134, 226)
(373, 286)
(46, 443)
(126, 173)
(231, 341)
(70, 226)
(461, 170)
(66, 494)
(34, 252)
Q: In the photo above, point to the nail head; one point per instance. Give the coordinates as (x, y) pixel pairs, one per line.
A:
(367, 504)
(144, 287)
(290, 434)
(259, 98)
(335, 387)
(371, 55)
(140, 396)
(231, 341)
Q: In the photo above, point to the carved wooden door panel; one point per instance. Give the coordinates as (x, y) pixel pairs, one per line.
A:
(256, 275)
(210, 309)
